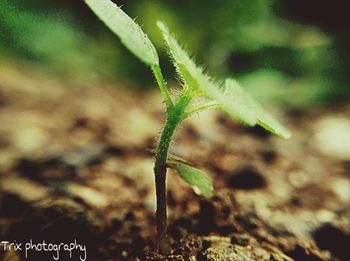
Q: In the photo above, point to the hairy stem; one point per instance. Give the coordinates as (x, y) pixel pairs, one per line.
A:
(173, 120)
(162, 86)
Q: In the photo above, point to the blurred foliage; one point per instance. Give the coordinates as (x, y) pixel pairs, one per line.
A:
(287, 52)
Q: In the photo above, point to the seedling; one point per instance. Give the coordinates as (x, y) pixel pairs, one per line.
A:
(198, 92)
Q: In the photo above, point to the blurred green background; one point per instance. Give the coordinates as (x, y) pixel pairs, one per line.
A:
(294, 53)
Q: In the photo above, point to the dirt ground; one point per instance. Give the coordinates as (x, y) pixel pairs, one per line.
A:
(75, 165)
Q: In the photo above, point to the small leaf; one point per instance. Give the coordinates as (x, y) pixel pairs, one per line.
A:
(126, 29)
(234, 100)
(197, 179)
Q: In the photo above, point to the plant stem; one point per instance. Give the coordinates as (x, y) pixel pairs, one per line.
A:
(173, 120)
(160, 179)
(162, 86)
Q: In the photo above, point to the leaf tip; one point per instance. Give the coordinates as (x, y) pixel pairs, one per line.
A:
(277, 129)
(287, 134)
(200, 192)
(200, 182)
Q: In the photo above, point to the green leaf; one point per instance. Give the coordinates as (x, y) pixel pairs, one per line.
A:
(234, 92)
(234, 100)
(197, 179)
(126, 29)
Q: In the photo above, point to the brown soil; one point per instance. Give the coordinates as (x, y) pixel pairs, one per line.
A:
(74, 164)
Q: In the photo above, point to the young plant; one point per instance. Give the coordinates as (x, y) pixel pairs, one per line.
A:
(198, 92)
